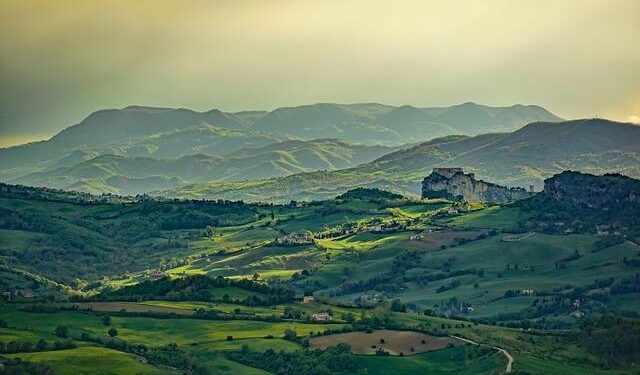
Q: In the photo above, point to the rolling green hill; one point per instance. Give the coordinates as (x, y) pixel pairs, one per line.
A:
(317, 246)
(138, 131)
(521, 158)
(120, 174)
(554, 301)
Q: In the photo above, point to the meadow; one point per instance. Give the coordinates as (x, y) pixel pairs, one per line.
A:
(373, 264)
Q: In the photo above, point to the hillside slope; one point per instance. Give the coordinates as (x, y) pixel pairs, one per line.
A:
(381, 123)
(139, 131)
(135, 175)
(522, 158)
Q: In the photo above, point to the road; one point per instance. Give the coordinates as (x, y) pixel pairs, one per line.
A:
(504, 352)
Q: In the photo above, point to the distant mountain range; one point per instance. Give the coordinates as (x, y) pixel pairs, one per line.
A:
(281, 155)
(138, 149)
(396, 125)
(521, 158)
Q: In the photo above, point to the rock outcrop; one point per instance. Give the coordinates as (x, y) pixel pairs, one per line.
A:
(608, 192)
(574, 202)
(453, 183)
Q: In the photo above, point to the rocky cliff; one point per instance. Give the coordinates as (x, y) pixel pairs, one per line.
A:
(453, 183)
(611, 191)
(574, 202)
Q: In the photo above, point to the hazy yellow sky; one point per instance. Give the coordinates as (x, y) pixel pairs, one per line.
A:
(62, 59)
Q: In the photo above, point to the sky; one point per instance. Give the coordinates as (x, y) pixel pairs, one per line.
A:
(61, 60)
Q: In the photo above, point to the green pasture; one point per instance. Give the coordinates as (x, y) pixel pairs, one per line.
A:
(89, 360)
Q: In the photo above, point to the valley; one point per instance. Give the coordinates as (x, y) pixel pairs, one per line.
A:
(216, 288)
(319, 187)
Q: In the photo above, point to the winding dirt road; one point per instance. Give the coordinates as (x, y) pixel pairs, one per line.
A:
(504, 352)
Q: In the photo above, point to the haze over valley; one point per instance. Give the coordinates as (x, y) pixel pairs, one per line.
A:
(336, 187)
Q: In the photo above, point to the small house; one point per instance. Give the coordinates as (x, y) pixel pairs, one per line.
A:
(308, 299)
(321, 317)
(27, 293)
(510, 238)
(157, 274)
(577, 314)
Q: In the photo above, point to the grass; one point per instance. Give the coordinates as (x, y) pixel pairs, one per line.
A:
(526, 264)
(153, 331)
(359, 242)
(217, 363)
(495, 217)
(395, 342)
(545, 366)
(17, 239)
(206, 340)
(20, 335)
(447, 361)
(89, 360)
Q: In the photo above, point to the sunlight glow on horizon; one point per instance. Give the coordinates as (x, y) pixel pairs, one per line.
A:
(62, 60)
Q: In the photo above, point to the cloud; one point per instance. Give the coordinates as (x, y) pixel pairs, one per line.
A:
(61, 60)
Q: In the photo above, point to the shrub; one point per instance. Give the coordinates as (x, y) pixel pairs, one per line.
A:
(61, 331)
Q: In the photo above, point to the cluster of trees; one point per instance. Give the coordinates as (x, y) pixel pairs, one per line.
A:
(452, 285)
(201, 288)
(424, 278)
(391, 281)
(39, 346)
(15, 220)
(581, 202)
(16, 366)
(626, 285)
(167, 355)
(333, 360)
(613, 338)
(56, 195)
(369, 194)
(108, 237)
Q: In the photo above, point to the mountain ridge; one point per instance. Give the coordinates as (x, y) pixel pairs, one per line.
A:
(500, 157)
(163, 132)
(274, 160)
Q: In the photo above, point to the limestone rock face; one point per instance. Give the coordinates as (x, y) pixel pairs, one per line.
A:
(611, 191)
(453, 183)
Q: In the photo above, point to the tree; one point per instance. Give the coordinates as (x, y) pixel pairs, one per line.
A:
(41, 345)
(382, 310)
(61, 331)
(397, 305)
(106, 320)
(113, 332)
(349, 317)
(26, 346)
(290, 334)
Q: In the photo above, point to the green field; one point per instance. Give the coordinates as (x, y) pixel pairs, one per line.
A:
(470, 275)
(446, 361)
(89, 360)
